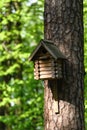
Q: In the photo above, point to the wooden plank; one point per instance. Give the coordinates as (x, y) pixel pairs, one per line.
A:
(52, 63)
(36, 77)
(36, 70)
(44, 65)
(36, 74)
(47, 72)
(46, 61)
(49, 62)
(47, 76)
(47, 65)
(47, 68)
(36, 65)
(44, 57)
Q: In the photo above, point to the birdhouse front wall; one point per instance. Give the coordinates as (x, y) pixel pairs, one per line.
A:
(47, 69)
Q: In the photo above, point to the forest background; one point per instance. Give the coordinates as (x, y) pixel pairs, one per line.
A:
(22, 97)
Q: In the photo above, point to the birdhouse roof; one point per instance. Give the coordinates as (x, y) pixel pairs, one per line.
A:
(49, 47)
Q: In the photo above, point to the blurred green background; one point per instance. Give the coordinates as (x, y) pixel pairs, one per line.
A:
(21, 97)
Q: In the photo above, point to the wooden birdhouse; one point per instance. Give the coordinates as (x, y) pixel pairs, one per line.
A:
(48, 61)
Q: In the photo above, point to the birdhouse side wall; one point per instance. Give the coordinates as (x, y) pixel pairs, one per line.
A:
(48, 69)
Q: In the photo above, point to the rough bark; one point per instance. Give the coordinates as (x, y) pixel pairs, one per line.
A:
(63, 24)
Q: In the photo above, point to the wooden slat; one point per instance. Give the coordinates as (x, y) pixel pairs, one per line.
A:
(44, 57)
(47, 76)
(51, 76)
(41, 56)
(36, 65)
(47, 68)
(47, 65)
(47, 72)
(46, 61)
(44, 69)
(36, 69)
(36, 77)
(36, 74)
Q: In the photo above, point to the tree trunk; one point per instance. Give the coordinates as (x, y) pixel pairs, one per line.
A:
(63, 23)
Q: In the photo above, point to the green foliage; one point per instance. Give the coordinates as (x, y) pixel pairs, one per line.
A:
(21, 27)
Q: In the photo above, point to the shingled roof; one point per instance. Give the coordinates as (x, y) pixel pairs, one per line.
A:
(49, 47)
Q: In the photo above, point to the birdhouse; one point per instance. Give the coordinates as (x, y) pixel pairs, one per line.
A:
(48, 61)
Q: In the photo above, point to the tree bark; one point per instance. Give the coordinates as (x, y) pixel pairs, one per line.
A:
(63, 24)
